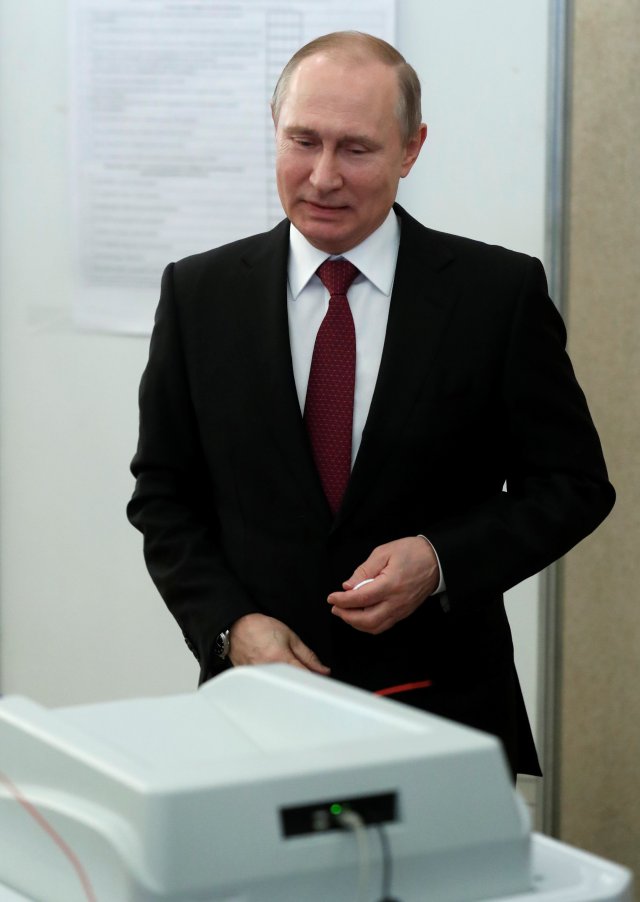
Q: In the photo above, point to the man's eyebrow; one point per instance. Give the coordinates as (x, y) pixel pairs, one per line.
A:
(366, 140)
(301, 130)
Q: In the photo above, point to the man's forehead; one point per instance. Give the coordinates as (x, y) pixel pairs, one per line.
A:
(322, 80)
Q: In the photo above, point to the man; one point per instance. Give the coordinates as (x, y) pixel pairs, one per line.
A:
(389, 577)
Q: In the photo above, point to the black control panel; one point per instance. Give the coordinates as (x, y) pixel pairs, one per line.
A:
(318, 817)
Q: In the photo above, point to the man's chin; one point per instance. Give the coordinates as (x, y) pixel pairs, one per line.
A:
(332, 235)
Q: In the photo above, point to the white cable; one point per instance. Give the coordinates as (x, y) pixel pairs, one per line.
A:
(352, 821)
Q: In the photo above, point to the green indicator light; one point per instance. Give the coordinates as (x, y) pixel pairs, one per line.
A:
(336, 809)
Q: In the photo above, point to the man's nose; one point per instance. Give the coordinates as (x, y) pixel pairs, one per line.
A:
(325, 175)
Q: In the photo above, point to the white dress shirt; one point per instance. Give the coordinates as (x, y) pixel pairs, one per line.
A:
(369, 300)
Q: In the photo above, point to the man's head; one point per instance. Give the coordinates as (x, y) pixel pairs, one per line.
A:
(347, 115)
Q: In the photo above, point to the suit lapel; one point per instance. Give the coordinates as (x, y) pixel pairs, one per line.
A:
(263, 308)
(421, 303)
(420, 306)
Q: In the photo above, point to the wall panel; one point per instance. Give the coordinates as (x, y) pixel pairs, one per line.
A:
(600, 710)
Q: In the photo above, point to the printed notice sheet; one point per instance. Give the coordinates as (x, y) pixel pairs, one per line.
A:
(172, 140)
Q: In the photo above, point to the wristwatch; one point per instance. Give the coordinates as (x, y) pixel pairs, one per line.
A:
(221, 645)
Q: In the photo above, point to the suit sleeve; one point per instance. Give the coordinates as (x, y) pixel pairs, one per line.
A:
(557, 488)
(169, 505)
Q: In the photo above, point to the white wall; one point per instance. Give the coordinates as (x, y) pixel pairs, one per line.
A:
(79, 618)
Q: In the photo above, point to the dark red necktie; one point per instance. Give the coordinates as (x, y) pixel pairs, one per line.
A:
(328, 409)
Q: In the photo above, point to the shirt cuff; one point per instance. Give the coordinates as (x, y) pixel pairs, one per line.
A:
(442, 586)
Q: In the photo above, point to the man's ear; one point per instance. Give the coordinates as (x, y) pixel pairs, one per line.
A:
(412, 149)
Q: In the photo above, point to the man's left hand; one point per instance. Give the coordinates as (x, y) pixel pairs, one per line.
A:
(403, 574)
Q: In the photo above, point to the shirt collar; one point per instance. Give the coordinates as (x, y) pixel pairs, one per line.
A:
(375, 257)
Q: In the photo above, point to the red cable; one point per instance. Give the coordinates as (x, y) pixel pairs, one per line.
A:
(404, 687)
(52, 834)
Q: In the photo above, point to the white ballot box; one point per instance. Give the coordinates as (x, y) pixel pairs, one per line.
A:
(270, 784)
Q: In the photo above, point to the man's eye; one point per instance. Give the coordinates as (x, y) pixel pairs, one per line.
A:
(303, 142)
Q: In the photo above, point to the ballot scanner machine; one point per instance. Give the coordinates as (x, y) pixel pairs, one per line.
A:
(270, 784)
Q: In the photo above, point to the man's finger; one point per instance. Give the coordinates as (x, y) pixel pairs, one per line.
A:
(294, 662)
(371, 592)
(306, 657)
(368, 569)
(371, 620)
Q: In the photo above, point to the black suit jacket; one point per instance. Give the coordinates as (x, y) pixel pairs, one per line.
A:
(474, 390)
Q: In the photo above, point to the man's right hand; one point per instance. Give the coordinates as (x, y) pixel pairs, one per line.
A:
(258, 639)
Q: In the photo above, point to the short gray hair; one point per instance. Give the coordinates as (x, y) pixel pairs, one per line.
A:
(360, 47)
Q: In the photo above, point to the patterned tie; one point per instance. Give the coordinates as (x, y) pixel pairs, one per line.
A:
(328, 409)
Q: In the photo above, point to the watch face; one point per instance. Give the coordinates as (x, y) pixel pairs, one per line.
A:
(221, 647)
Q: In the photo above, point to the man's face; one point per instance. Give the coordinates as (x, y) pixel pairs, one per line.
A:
(340, 154)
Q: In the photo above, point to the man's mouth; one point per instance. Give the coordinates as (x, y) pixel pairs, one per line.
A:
(326, 208)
